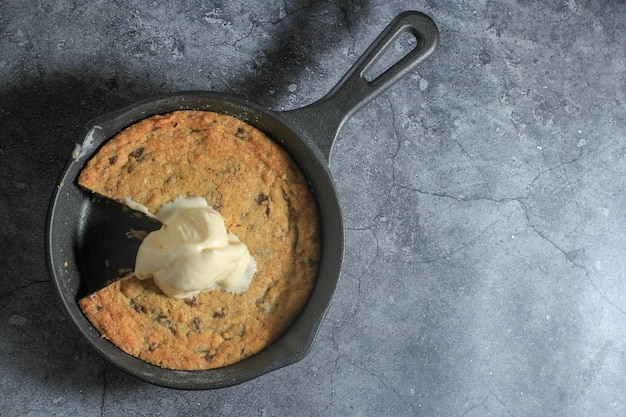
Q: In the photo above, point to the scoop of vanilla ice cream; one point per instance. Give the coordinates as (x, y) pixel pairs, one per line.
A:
(193, 251)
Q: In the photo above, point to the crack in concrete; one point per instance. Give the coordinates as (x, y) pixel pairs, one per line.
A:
(568, 257)
(519, 199)
(501, 402)
(478, 405)
(483, 402)
(460, 248)
(345, 13)
(445, 256)
(590, 374)
(288, 13)
(465, 199)
(359, 280)
(23, 287)
(244, 37)
(104, 391)
(384, 384)
(331, 401)
(478, 168)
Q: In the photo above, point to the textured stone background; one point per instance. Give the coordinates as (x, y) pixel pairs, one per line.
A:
(483, 196)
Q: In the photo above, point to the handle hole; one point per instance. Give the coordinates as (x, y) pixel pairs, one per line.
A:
(398, 48)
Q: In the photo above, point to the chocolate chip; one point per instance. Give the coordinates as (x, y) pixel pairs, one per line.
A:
(191, 302)
(196, 323)
(137, 307)
(261, 198)
(241, 133)
(113, 160)
(137, 153)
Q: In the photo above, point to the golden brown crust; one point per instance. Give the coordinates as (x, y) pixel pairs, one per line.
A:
(265, 201)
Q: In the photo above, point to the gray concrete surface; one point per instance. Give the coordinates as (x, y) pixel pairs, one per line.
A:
(484, 200)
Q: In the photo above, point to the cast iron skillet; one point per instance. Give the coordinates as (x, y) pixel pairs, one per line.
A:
(85, 242)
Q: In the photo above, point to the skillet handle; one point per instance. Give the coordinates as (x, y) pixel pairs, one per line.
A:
(322, 120)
